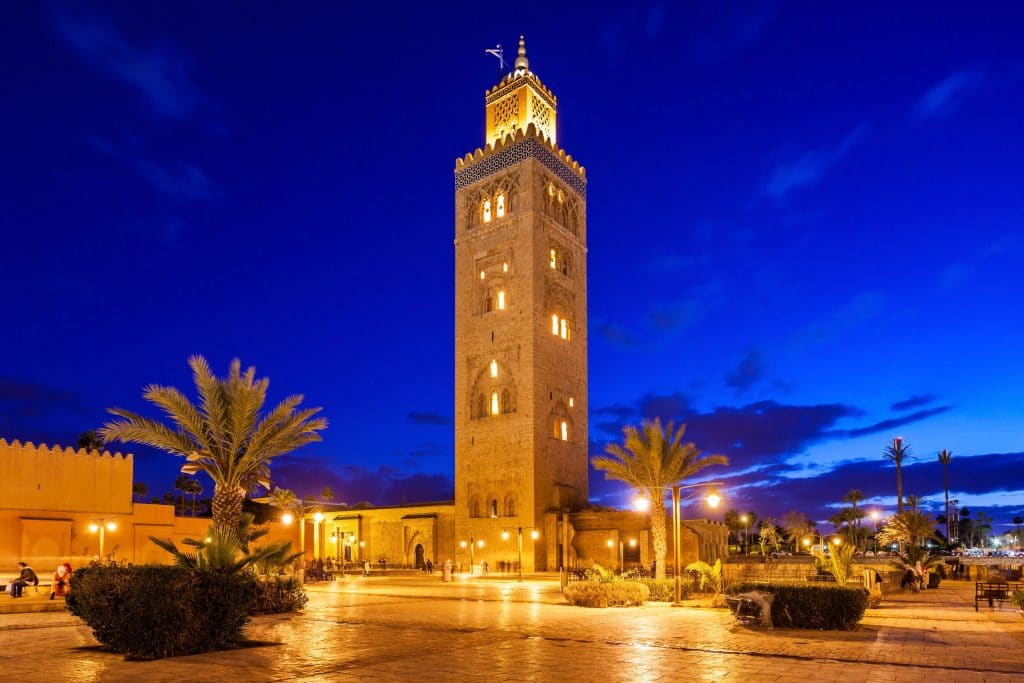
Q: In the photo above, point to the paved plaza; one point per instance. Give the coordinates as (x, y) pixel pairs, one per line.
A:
(422, 630)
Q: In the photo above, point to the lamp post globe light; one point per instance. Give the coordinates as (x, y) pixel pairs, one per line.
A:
(505, 535)
(875, 514)
(473, 543)
(746, 531)
(102, 526)
(712, 499)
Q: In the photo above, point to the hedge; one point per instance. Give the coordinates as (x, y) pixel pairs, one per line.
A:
(799, 605)
(664, 590)
(153, 611)
(606, 594)
(279, 595)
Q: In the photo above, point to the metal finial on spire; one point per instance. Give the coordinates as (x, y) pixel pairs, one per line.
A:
(522, 63)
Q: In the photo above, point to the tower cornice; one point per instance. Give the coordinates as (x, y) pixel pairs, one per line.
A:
(515, 148)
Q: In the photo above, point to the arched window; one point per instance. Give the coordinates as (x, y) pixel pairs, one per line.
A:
(494, 508)
(495, 408)
(506, 401)
(494, 368)
(501, 299)
(564, 430)
(554, 323)
(510, 506)
(487, 211)
(564, 329)
(474, 506)
(560, 327)
(500, 205)
(553, 258)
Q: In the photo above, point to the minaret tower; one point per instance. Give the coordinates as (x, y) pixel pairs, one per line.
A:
(520, 329)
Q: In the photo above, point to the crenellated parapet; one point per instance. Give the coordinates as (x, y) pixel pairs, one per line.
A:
(56, 478)
(516, 147)
(513, 81)
(57, 450)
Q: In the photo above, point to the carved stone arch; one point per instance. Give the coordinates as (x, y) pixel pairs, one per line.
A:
(560, 300)
(474, 505)
(484, 386)
(509, 507)
(414, 538)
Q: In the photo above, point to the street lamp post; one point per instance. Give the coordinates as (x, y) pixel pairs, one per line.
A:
(472, 543)
(746, 531)
(874, 518)
(534, 534)
(102, 526)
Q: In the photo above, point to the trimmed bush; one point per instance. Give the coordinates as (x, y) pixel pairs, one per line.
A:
(279, 595)
(664, 590)
(607, 594)
(153, 611)
(799, 605)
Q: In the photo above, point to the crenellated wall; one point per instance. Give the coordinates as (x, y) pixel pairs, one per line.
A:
(65, 479)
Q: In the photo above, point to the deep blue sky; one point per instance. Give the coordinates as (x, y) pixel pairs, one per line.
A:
(804, 223)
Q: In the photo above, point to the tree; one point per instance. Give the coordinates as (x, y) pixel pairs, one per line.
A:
(225, 435)
(1017, 521)
(944, 457)
(327, 495)
(286, 500)
(734, 524)
(848, 520)
(897, 452)
(652, 459)
(796, 525)
(140, 489)
(193, 488)
(90, 441)
(768, 535)
(912, 527)
(180, 483)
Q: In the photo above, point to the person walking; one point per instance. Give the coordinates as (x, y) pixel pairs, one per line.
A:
(446, 571)
(61, 581)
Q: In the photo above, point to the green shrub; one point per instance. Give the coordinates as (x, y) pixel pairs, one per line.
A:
(153, 611)
(608, 594)
(279, 595)
(799, 605)
(664, 590)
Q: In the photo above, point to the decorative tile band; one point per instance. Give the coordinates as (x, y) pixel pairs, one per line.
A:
(515, 153)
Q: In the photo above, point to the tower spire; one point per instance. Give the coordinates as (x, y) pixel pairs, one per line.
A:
(522, 63)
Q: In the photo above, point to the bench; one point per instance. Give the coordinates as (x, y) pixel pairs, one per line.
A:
(994, 592)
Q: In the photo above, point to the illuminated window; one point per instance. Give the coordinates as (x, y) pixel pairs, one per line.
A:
(554, 260)
(564, 428)
(500, 205)
(554, 324)
(487, 211)
(504, 266)
(482, 275)
(495, 408)
(501, 300)
(563, 329)
(494, 368)
(551, 189)
(571, 402)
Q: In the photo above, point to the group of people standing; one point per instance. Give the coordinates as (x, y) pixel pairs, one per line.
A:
(27, 576)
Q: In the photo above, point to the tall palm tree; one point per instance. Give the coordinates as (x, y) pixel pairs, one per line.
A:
(897, 452)
(652, 459)
(945, 456)
(140, 489)
(225, 435)
(327, 494)
(90, 441)
(1017, 521)
(855, 514)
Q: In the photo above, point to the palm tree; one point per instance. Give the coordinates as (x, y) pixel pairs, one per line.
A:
(140, 489)
(854, 514)
(945, 456)
(1017, 521)
(225, 435)
(180, 484)
(90, 441)
(285, 499)
(193, 488)
(897, 452)
(652, 459)
(327, 495)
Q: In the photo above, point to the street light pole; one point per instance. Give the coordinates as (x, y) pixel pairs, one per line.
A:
(676, 554)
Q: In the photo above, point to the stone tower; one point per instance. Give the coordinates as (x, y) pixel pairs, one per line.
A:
(520, 329)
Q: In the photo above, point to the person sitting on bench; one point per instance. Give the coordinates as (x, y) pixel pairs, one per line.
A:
(25, 578)
(61, 581)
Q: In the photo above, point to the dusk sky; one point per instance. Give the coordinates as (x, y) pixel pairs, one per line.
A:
(804, 222)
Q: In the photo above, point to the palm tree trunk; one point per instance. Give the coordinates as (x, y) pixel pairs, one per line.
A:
(899, 489)
(658, 533)
(227, 507)
(945, 479)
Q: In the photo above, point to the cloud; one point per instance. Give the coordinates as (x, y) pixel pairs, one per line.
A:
(353, 483)
(676, 315)
(946, 96)
(158, 72)
(30, 400)
(428, 418)
(749, 371)
(732, 33)
(915, 401)
(853, 313)
(808, 168)
(895, 422)
(177, 180)
(616, 335)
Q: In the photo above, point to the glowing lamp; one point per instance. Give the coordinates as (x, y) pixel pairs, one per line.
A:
(480, 543)
(462, 544)
(94, 527)
(641, 504)
(837, 541)
(714, 499)
(610, 543)
(632, 543)
(351, 538)
(318, 517)
(287, 518)
(111, 526)
(535, 534)
(504, 535)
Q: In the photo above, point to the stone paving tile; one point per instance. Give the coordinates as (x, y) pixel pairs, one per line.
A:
(422, 630)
